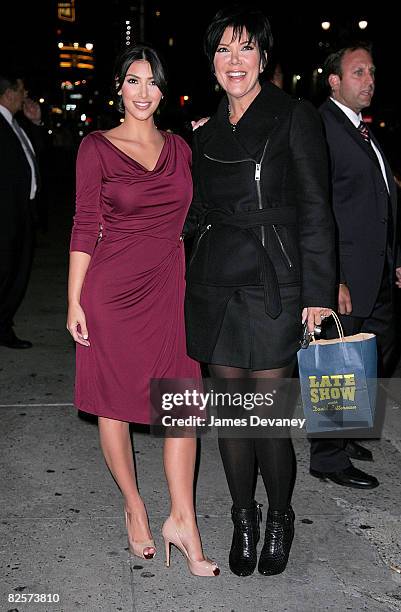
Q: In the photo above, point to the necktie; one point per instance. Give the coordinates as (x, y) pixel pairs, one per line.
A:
(364, 131)
(27, 147)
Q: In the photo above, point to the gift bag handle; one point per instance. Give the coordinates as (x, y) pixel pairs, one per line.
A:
(338, 325)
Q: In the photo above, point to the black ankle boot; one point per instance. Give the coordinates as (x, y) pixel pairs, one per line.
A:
(278, 540)
(246, 535)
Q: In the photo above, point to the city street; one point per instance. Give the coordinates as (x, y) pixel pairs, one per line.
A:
(62, 525)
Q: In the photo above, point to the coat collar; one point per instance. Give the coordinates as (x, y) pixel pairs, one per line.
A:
(255, 127)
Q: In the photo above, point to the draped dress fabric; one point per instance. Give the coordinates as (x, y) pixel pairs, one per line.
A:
(129, 219)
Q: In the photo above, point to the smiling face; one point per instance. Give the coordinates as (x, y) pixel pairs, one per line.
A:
(140, 94)
(237, 65)
(355, 87)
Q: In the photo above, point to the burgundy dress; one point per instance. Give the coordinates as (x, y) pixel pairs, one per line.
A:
(129, 219)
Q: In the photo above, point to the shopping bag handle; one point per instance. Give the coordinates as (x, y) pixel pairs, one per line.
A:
(338, 325)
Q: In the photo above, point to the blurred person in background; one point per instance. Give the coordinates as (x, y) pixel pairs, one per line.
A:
(364, 200)
(19, 186)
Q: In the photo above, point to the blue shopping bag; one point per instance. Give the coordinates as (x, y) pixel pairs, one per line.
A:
(338, 382)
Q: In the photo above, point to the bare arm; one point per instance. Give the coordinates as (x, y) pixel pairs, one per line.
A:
(79, 263)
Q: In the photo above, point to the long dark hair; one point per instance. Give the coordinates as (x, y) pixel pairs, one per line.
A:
(124, 61)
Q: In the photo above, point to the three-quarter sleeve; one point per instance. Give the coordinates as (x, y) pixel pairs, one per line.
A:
(87, 219)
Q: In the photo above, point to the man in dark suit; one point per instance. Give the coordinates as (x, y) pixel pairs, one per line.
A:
(364, 204)
(19, 181)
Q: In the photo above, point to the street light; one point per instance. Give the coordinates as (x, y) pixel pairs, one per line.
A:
(362, 24)
(325, 25)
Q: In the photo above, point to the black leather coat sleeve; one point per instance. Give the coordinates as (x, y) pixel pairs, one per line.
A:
(398, 234)
(198, 206)
(315, 221)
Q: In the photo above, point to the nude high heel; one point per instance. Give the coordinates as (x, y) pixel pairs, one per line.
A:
(170, 533)
(143, 550)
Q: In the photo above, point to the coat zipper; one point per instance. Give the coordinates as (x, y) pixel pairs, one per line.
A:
(224, 161)
(259, 192)
(282, 247)
(258, 170)
(195, 250)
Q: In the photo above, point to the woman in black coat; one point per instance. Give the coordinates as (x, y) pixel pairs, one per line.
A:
(263, 260)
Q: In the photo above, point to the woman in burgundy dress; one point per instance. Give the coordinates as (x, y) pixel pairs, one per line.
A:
(126, 293)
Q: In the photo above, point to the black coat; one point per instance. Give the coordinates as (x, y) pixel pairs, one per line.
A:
(16, 227)
(15, 187)
(293, 174)
(363, 209)
(261, 214)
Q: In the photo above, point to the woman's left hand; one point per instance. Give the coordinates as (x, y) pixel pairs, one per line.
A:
(314, 315)
(199, 123)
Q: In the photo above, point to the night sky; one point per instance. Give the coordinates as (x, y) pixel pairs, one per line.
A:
(28, 42)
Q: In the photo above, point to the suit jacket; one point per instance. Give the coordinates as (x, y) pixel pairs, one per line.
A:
(15, 187)
(363, 209)
(275, 163)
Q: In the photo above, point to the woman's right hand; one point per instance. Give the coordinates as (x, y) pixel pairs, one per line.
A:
(76, 317)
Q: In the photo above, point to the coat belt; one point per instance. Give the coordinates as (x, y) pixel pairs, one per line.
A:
(246, 221)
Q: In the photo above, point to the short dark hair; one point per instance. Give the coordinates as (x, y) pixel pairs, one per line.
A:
(9, 81)
(240, 17)
(333, 63)
(133, 54)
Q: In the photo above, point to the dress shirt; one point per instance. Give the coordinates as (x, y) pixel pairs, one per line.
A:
(356, 119)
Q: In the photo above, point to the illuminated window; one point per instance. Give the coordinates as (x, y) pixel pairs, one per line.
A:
(66, 10)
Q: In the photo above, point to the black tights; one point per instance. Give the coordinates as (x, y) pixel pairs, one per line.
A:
(240, 456)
